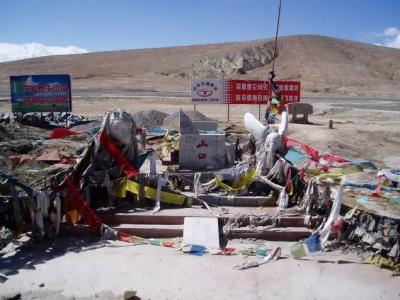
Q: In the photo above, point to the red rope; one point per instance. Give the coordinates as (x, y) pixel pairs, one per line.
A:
(276, 35)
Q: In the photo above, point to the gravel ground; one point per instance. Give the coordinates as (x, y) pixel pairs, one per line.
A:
(149, 118)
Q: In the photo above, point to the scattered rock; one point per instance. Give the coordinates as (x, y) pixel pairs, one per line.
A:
(129, 295)
(15, 297)
(41, 285)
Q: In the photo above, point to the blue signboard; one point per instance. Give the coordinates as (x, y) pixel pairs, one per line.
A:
(40, 93)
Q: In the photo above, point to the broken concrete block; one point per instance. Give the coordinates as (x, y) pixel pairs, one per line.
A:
(304, 109)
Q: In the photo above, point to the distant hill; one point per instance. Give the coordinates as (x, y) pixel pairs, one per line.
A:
(322, 64)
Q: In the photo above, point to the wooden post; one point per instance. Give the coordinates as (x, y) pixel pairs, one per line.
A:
(259, 112)
(194, 107)
(228, 112)
(330, 124)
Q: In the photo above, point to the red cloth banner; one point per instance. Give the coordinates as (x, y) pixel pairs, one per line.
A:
(59, 133)
(80, 204)
(312, 152)
(120, 159)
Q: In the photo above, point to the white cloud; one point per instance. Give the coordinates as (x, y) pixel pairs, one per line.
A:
(10, 52)
(391, 37)
(395, 43)
(391, 31)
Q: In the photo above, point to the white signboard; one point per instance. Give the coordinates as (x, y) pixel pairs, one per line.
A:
(207, 91)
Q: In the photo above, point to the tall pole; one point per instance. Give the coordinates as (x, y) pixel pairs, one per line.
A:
(276, 35)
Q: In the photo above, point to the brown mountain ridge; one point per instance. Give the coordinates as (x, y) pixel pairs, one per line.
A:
(322, 64)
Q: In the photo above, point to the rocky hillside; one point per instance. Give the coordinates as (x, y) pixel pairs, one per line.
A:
(322, 64)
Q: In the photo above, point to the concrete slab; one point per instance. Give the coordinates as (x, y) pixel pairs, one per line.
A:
(201, 231)
(378, 206)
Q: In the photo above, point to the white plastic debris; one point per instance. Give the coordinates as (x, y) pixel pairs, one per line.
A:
(255, 127)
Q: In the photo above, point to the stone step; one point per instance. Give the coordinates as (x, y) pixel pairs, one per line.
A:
(273, 234)
(121, 218)
(126, 218)
(151, 230)
(171, 231)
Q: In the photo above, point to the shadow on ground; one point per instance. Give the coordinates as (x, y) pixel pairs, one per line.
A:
(30, 255)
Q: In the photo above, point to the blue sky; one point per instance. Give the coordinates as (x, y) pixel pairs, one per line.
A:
(127, 24)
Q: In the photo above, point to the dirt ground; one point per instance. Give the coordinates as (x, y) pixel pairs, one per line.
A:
(48, 271)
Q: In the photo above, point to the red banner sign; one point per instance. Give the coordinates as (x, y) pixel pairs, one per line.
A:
(241, 91)
(258, 92)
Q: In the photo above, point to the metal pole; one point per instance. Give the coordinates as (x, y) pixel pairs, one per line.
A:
(276, 35)
(228, 112)
(194, 107)
(259, 112)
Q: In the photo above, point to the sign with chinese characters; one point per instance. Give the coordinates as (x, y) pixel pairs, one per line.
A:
(218, 91)
(202, 151)
(206, 91)
(40, 93)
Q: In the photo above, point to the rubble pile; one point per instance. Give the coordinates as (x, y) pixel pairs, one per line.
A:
(52, 120)
(173, 120)
(149, 118)
(5, 118)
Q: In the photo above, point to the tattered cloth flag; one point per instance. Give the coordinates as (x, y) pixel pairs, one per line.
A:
(240, 176)
(119, 158)
(59, 133)
(17, 160)
(79, 203)
(52, 155)
(297, 250)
